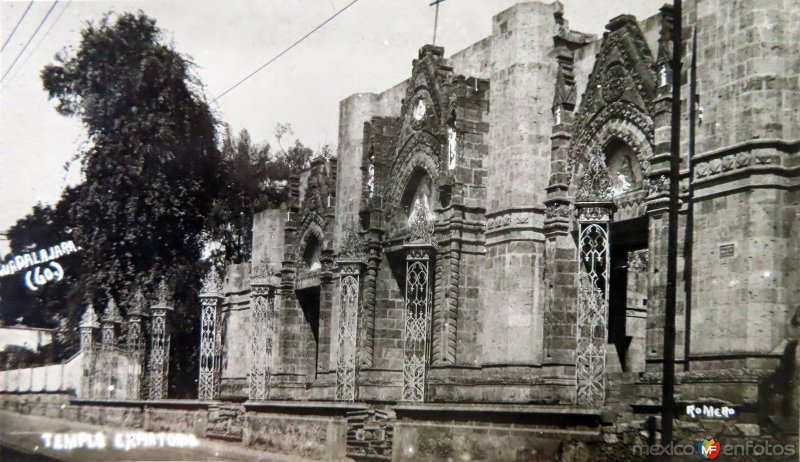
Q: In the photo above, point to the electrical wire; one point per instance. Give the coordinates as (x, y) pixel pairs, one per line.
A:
(285, 51)
(46, 33)
(30, 40)
(15, 27)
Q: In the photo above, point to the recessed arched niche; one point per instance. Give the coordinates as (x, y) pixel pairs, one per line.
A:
(312, 252)
(624, 169)
(419, 191)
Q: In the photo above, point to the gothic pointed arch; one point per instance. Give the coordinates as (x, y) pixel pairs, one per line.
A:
(618, 104)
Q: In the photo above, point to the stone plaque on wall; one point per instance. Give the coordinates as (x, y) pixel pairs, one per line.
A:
(727, 250)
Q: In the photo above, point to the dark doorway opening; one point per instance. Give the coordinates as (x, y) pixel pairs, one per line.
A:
(626, 237)
(309, 302)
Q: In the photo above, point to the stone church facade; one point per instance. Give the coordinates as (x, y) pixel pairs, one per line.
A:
(482, 267)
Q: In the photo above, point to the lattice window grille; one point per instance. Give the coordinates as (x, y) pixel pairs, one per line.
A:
(209, 346)
(261, 334)
(159, 355)
(592, 327)
(416, 333)
(135, 353)
(348, 321)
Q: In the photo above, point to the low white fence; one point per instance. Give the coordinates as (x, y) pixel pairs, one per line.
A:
(51, 378)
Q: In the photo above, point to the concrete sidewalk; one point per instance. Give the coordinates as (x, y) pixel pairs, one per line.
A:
(21, 440)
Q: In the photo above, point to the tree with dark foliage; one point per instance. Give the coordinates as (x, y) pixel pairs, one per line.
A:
(152, 171)
(254, 178)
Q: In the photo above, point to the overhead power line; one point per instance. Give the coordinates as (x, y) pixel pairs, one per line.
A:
(24, 13)
(29, 40)
(46, 33)
(285, 51)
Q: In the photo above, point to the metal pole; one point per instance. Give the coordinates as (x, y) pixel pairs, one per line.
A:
(667, 398)
(689, 237)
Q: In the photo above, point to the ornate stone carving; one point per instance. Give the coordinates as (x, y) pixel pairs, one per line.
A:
(352, 245)
(614, 82)
(601, 212)
(557, 211)
(420, 222)
(420, 113)
(89, 318)
(730, 162)
(138, 303)
(225, 422)
(452, 148)
(212, 285)
(163, 294)
(370, 433)
(595, 185)
(657, 185)
(638, 261)
(510, 219)
(111, 313)
(263, 272)
(607, 111)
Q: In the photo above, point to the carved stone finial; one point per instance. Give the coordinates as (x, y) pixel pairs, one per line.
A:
(262, 272)
(212, 285)
(138, 303)
(596, 185)
(89, 318)
(111, 313)
(352, 246)
(420, 222)
(164, 297)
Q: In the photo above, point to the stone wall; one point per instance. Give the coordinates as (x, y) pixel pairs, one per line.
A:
(234, 323)
(185, 416)
(518, 165)
(311, 429)
(354, 111)
(745, 271)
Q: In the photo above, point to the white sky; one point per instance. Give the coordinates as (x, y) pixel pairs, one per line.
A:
(368, 48)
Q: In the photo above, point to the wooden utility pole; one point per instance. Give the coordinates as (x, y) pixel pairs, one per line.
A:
(668, 391)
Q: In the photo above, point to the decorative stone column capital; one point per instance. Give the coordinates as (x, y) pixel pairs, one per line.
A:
(595, 211)
(264, 275)
(351, 266)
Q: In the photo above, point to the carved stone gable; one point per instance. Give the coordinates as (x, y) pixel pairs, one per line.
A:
(623, 71)
(617, 104)
(320, 187)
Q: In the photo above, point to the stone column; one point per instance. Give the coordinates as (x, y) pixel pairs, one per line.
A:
(592, 326)
(210, 300)
(159, 345)
(135, 346)
(420, 251)
(108, 365)
(87, 328)
(264, 284)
